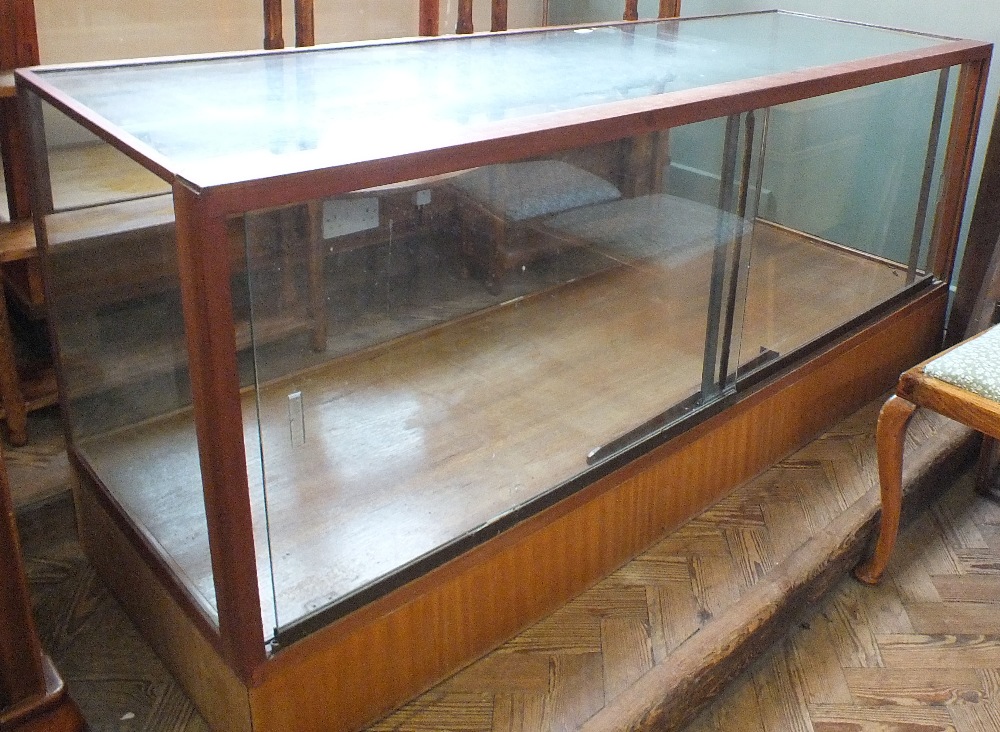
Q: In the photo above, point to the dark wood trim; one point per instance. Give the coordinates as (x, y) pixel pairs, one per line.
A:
(52, 711)
(430, 17)
(13, 149)
(960, 150)
(273, 38)
(40, 179)
(21, 671)
(533, 136)
(18, 34)
(218, 415)
(125, 143)
(18, 47)
(981, 245)
(11, 395)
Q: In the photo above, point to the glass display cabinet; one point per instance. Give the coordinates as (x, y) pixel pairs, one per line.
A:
(381, 351)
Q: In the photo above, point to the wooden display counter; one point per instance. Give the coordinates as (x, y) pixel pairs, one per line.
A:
(312, 536)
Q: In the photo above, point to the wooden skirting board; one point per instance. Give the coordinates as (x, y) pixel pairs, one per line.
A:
(359, 668)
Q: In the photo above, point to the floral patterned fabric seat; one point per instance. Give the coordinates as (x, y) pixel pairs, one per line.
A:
(973, 365)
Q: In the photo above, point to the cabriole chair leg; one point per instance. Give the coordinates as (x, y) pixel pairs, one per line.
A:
(889, 438)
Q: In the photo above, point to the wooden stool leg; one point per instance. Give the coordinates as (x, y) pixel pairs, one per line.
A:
(889, 437)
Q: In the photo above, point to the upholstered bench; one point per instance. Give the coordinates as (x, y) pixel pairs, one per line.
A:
(498, 204)
(963, 384)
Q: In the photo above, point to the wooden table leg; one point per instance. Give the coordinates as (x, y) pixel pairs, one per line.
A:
(317, 282)
(889, 437)
(11, 396)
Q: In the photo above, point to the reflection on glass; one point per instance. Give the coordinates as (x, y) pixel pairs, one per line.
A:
(856, 176)
(225, 120)
(114, 307)
(86, 171)
(434, 355)
(115, 310)
(425, 362)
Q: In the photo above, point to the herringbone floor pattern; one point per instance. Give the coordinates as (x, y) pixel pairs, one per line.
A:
(921, 653)
(565, 669)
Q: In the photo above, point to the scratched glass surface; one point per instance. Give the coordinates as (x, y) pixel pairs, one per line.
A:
(224, 120)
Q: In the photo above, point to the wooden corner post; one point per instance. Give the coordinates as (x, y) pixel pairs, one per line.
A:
(209, 326)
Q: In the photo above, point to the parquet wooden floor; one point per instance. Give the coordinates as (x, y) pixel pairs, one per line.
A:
(921, 653)
(662, 624)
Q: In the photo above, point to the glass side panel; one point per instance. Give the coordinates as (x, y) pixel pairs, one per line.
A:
(435, 356)
(115, 313)
(221, 120)
(850, 184)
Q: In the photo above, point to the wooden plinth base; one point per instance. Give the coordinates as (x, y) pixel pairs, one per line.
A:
(55, 711)
(359, 668)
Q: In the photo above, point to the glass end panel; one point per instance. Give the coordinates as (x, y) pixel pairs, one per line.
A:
(115, 312)
(848, 199)
(435, 357)
(116, 315)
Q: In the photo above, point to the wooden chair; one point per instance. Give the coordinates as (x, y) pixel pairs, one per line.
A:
(963, 384)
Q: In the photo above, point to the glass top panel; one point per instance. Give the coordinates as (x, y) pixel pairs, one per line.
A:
(228, 119)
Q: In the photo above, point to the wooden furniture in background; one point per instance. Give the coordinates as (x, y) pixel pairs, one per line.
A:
(18, 47)
(972, 406)
(33, 697)
(18, 254)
